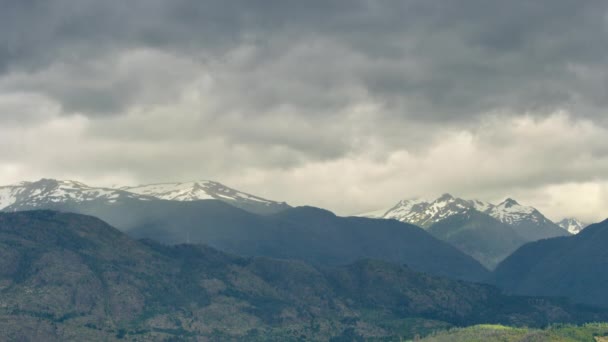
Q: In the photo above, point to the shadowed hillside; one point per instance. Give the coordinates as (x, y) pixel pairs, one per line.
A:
(575, 267)
(71, 277)
(313, 235)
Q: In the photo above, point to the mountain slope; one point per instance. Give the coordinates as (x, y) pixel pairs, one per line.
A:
(73, 277)
(567, 266)
(310, 234)
(478, 235)
(48, 192)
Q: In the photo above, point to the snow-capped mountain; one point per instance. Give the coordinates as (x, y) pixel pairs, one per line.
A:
(199, 190)
(485, 231)
(50, 193)
(426, 213)
(572, 225)
(42, 193)
(511, 212)
(192, 191)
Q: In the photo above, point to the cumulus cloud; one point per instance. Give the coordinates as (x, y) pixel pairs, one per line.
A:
(349, 105)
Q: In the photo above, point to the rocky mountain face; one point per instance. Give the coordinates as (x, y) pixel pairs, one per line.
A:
(69, 277)
(426, 213)
(573, 266)
(47, 192)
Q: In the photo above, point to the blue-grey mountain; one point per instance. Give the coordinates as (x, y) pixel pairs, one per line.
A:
(67, 277)
(574, 267)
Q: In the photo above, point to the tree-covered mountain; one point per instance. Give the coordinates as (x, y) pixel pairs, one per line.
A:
(305, 233)
(68, 277)
(574, 267)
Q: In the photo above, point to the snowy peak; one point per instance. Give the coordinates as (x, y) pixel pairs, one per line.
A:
(406, 210)
(572, 225)
(508, 203)
(511, 212)
(425, 214)
(51, 193)
(190, 191)
(445, 198)
(199, 190)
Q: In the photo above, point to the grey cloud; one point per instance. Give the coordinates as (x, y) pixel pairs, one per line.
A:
(475, 55)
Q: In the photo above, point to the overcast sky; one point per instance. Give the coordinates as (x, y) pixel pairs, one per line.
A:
(348, 105)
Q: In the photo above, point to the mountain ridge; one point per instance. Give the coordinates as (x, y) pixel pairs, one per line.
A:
(306, 233)
(425, 213)
(49, 191)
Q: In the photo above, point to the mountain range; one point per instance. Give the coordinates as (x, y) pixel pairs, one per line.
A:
(486, 231)
(174, 213)
(72, 277)
(310, 234)
(202, 259)
(46, 192)
(426, 213)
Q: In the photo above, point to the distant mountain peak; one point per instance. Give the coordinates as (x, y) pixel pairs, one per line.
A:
(509, 202)
(427, 213)
(572, 225)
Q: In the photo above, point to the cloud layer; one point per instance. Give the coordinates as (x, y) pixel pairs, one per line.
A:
(349, 105)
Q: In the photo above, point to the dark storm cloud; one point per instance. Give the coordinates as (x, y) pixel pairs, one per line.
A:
(425, 59)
